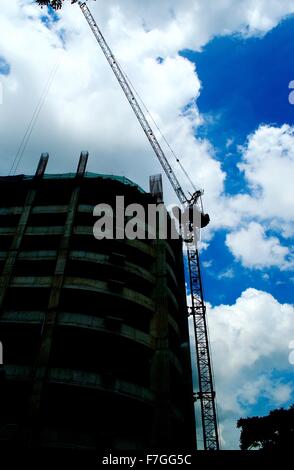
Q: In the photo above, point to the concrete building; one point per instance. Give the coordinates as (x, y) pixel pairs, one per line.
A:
(94, 332)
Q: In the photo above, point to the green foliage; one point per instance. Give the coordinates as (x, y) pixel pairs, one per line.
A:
(55, 4)
(272, 432)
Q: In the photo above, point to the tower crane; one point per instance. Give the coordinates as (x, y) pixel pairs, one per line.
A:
(206, 393)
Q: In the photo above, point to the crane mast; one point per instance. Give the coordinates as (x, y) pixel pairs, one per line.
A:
(206, 393)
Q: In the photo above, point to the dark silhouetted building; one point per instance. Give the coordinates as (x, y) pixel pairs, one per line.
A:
(94, 332)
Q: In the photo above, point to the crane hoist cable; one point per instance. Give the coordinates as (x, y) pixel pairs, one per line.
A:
(161, 133)
(127, 86)
(26, 137)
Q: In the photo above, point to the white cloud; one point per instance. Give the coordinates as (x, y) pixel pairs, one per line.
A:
(274, 390)
(227, 274)
(173, 25)
(268, 166)
(267, 163)
(254, 249)
(86, 108)
(249, 340)
(229, 142)
(207, 264)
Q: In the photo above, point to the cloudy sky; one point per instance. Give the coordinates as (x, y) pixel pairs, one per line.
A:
(215, 76)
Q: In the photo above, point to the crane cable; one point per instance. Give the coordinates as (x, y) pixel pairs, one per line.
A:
(161, 134)
(26, 137)
(24, 142)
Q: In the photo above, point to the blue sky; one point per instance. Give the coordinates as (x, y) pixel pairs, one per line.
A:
(244, 84)
(4, 67)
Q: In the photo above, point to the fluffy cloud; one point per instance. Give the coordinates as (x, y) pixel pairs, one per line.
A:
(268, 166)
(250, 344)
(227, 274)
(86, 108)
(172, 25)
(254, 249)
(267, 163)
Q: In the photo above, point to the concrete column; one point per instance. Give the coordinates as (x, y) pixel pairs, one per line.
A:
(12, 253)
(42, 362)
(160, 365)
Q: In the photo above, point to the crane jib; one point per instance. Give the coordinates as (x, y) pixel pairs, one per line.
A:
(134, 104)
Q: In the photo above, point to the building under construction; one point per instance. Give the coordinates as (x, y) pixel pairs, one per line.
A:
(94, 332)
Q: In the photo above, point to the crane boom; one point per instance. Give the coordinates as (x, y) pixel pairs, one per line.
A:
(134, 103)
(206, 393)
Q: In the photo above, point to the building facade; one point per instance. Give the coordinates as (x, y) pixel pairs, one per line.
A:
(94, 332)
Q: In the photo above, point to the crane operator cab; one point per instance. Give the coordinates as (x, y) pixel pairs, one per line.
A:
(197, 218)
(205, 219)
